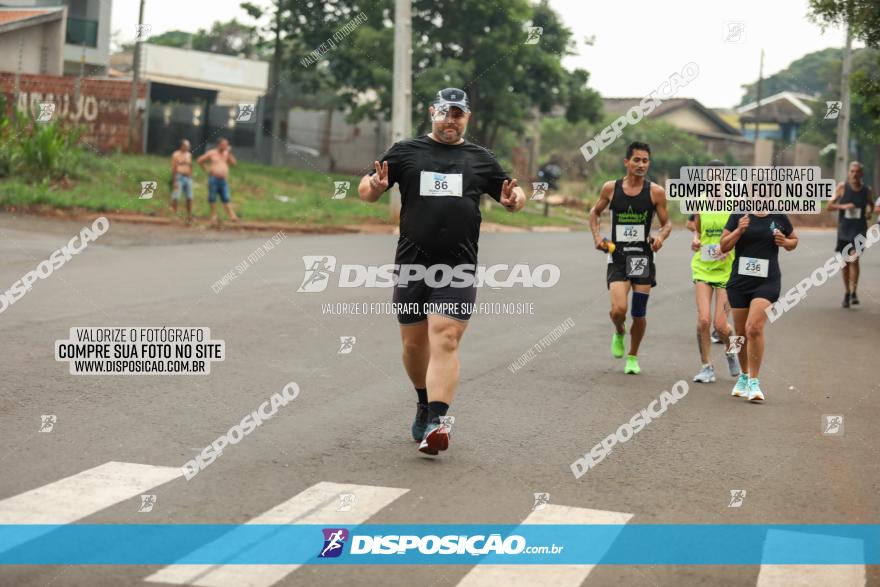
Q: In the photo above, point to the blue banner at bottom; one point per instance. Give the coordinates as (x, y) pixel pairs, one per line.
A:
(469, 544)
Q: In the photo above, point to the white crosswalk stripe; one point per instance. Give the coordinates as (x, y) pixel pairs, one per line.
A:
(70, 499)
(315, 505)
(544, 575)
(811, 575)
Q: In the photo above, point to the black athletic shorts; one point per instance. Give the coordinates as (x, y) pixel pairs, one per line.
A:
(742, 296)
(637, 268)
(417, 299)
(841, 244)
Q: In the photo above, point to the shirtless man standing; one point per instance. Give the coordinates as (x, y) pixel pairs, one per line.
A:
(181, 171)
(220, 158)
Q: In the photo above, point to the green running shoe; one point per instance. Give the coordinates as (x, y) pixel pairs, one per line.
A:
(617, 344)
(632, 365)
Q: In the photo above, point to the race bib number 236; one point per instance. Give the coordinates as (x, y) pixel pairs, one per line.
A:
(753, 267)
(440, 184)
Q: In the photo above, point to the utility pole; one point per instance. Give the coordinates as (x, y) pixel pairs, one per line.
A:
(842, 155)
(135, 78)
(401, 106)
(275, 92)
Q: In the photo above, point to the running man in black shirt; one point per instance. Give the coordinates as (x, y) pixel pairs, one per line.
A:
(856, 204)
(754, 284)
(633, 201)
(441, 178)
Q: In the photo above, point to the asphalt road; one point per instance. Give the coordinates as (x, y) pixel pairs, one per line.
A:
(515, 433)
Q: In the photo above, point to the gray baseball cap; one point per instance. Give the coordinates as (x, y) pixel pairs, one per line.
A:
(452, 97)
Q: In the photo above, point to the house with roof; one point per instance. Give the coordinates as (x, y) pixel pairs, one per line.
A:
(780, 116)
(85, 44)
(692, 117)
(31, 40)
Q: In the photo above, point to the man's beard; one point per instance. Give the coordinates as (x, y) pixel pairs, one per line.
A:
(445, 138)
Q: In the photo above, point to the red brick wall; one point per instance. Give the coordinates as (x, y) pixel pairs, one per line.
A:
(102, 107)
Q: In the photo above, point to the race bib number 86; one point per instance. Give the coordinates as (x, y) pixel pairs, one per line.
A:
(440, 184)
(753, 267)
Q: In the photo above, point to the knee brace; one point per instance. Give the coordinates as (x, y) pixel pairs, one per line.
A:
(639, 306)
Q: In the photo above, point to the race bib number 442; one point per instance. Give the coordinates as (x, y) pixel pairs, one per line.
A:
(440, 184)
(630, 233)
(753, 267)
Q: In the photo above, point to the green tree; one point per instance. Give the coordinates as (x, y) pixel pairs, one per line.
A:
(863, 16)
(224, 38)
(478, 47)
(812, 74)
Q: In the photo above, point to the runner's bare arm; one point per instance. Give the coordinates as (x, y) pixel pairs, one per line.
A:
(869, 210)
(231, 159)
(695, 244)
(789, 243)
(838, 193)
(729, 238)
(596, 211)
(658, 196)
(372, 186)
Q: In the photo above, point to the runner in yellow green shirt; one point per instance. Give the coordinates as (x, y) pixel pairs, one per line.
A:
(710, 270)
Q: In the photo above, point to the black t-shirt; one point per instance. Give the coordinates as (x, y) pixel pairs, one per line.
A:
(440, 189)
(757, 243)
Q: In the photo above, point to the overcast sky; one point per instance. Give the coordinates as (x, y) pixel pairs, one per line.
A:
(638, 43)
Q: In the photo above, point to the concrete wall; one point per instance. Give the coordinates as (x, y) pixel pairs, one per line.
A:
(351, 148)
(237, 80)
(41, 48)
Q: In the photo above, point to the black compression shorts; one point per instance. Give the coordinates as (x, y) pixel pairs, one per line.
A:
(741, 297)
